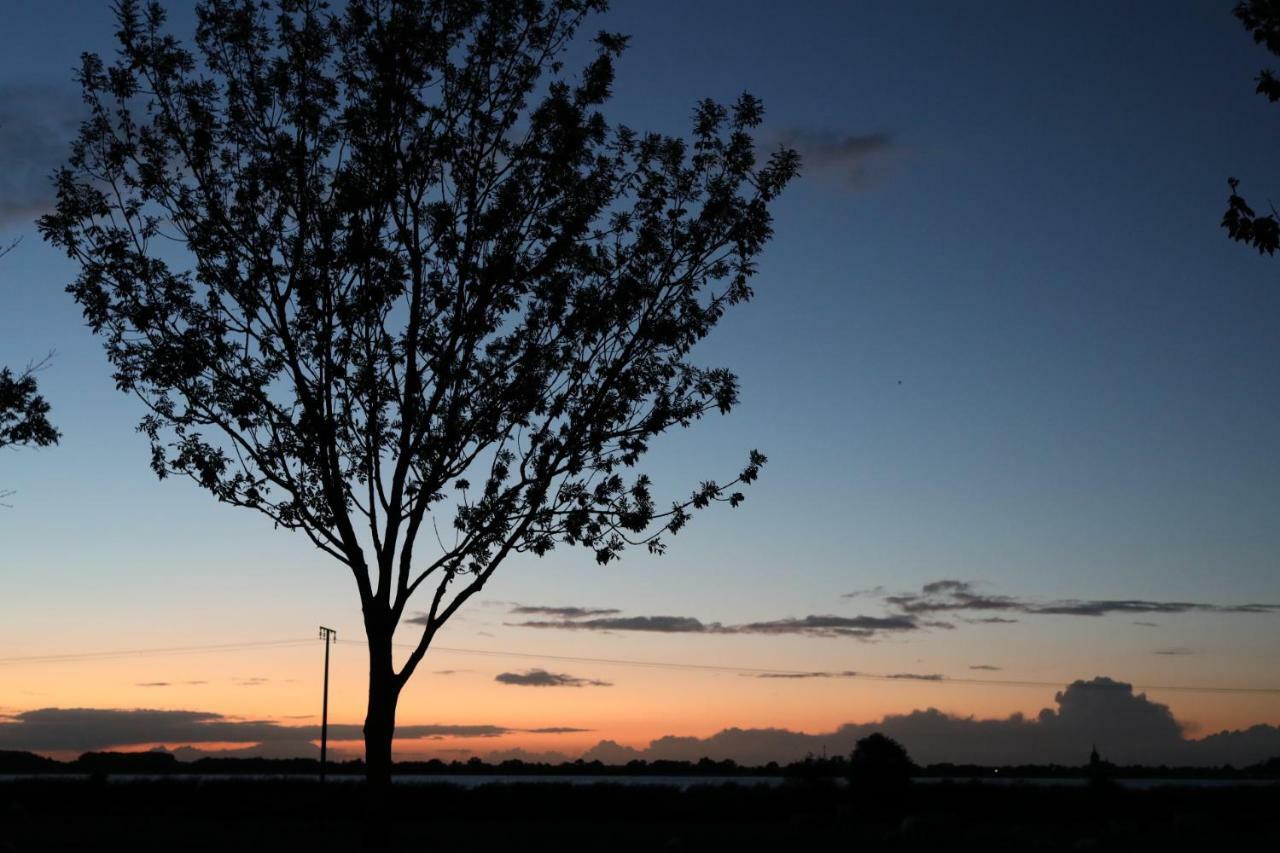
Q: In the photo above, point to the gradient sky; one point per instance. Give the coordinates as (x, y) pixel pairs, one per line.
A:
(998, 338)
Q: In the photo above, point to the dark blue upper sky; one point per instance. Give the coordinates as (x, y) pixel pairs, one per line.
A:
(999, 335)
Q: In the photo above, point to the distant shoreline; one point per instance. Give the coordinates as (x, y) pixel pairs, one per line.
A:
(159, 764)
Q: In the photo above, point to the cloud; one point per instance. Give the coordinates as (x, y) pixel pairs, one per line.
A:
(950, 596)
(84, 729)
(913, 676)
(985, 667)
(449, 671)
(255, 681)
(542, 678)
(657, 624)
(153, 684)
(37, 125)
(555, 730)
(848, 673)
(1127, 727)
(875, 592)
(857, 627)
(517, 754)
(564, 612)
(852, 162)
(1177, 651)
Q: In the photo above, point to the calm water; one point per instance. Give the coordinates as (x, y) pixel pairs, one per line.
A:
(672, 781)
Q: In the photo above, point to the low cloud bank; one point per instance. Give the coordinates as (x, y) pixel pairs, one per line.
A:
(91, 729)
(1127, 727)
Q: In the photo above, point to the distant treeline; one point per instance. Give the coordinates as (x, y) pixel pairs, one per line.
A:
(12, 762)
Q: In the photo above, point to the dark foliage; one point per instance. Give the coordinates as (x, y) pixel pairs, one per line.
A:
(389, 269)
(54, 815)
(24, 414)
(1262, 19)
(880, 763)
(809, 768)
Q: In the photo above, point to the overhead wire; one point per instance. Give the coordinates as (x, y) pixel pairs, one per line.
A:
(757, 671)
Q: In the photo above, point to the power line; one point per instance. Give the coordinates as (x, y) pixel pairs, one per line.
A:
(152, 652)
(869, 676)
(632, 662)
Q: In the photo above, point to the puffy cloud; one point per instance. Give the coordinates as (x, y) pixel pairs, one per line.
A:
(542, 678)
(1126, 727)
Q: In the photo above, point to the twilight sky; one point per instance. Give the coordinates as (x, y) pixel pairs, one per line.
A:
(998, 341)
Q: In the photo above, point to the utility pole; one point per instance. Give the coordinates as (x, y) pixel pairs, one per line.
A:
(329, 636)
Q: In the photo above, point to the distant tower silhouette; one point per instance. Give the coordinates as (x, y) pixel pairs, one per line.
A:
(1099, 772)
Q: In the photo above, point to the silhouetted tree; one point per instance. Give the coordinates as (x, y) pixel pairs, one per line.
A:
(880, 764)
(1262, 19)
(24, 413)
(389, 269)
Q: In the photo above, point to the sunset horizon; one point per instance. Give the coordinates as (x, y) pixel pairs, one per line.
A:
(981, 453)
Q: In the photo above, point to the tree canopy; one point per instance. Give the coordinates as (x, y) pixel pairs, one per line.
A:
(24, 413)
(388, 271)
(1262, 232)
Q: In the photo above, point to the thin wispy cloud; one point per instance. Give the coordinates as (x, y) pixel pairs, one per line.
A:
(83, 729)
(542, 678)
(953, 596)
(848, 673)
(985, 667)
(652, 624)
(854, 627)
(166, 683)
(850, 162)
(563, 612)
(870, 592)
(37, 125)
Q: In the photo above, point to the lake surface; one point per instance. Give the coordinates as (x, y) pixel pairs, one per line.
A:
(472, 781)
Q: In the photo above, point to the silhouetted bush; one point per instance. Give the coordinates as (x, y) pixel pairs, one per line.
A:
(880, 764)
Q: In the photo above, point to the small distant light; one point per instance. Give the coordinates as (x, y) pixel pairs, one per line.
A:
(997, 769)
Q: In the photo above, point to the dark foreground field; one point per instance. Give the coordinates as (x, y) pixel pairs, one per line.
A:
(241, 815)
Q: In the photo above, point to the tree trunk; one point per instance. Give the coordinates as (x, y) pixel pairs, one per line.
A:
(380, 717)
(379, 729)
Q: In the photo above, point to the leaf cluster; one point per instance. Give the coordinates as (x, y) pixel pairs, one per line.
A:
(372, 268)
